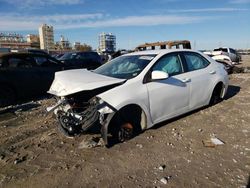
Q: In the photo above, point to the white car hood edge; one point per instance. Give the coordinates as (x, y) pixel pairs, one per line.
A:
(73, 81)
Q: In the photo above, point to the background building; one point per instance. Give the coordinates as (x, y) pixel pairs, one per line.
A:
(76, 45)
(46, 35)
(13, 41)
(33, 40)
(63, 44)
(107, 43)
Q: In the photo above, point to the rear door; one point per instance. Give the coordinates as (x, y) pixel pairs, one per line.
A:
(22, 75)
(201, 74)
(46, 68)
(169, 97)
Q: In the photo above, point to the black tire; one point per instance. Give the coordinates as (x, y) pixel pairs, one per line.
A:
(126, 125)
(215, 98)
(7, 96)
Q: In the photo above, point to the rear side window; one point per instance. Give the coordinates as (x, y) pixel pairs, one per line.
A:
(170, 64)
(93, 56)
(232, 51)
(195, 61)
(20, 62)
(81, 56)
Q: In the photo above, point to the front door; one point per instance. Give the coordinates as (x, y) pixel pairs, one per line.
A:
(169, 97)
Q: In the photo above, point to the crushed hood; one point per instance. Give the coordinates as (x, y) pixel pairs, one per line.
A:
(73, 81)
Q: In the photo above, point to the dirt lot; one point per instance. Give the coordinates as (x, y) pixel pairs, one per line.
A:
(33, 153)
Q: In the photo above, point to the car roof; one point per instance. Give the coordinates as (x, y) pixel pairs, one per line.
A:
(157, 52)
(23, 54)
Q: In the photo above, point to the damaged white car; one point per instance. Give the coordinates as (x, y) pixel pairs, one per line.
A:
(136, 91)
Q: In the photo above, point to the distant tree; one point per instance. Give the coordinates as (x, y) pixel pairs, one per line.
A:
(84, 48)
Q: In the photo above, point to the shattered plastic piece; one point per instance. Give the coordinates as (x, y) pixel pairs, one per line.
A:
(217, 141)
(164, 180)
(19, 160)
(2, 156)
(212, 142)
(162, 167)
(139, 145)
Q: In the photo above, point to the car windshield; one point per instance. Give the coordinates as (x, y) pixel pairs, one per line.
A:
(68, 56)
(125, 67)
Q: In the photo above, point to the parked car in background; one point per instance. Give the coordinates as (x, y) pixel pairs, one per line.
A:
(135, 91)
(57, 56)
(230, 52)
(88, 60)
(4, 50)
(25, 74)
(223, 59)
(36, 51)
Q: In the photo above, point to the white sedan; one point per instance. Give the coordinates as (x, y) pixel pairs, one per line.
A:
(135, 91)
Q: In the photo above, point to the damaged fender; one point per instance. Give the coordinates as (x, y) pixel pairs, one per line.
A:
(106, 112)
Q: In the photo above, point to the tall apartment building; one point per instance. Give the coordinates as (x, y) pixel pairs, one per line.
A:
(107, 43)
(46, 35)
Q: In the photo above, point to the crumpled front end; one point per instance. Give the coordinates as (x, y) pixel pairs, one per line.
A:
(78, 107)
(76, 115)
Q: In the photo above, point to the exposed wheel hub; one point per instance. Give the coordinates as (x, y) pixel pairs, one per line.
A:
(126, 132)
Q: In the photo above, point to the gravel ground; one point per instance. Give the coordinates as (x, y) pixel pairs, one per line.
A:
(33, 153)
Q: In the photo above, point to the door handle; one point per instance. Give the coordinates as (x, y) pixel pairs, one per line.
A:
(185, 80)
(212, 72)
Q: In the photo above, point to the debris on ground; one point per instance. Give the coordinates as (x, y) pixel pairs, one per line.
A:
(165, 180)
(241, 70)
(162, 167)
(139, 146)
(212, 142)
(19, 160)
(94, 142)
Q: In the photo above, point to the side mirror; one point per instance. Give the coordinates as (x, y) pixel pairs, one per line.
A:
(159, 75)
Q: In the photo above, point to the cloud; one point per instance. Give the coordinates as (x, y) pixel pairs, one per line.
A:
(208, 10)
(239, 1)
(21, 23)
(140, 21)
(33, 4)
(18, 22)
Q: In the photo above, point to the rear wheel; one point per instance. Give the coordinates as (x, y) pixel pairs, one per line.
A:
(216, 95)
(7, 96)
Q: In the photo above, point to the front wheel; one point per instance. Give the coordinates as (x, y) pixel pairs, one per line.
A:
(7, 96)
(126, 124)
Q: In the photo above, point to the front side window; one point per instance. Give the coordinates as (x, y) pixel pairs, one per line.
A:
(170, 64)
(125, 67)
(195, 62)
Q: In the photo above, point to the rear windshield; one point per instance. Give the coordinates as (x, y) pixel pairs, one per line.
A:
(68, 56)
(221, 49)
